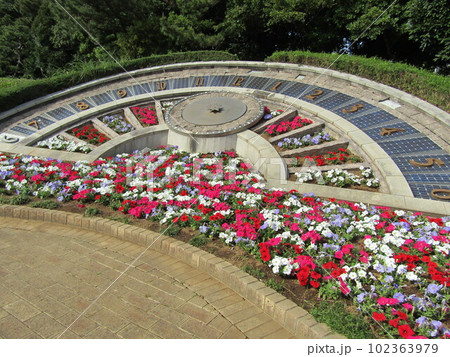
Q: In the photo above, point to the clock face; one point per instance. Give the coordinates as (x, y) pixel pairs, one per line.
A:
(302, 118)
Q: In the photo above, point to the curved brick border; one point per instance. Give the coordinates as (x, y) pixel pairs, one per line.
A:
(282, 310)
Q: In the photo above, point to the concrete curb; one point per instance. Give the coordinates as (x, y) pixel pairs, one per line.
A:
(282, 310)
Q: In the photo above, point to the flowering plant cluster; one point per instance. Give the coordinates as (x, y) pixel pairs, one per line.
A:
(392, 264)
(117, 123)
(340, 178)
(285, 126)
(59, 143)
(146, 115)
(166, 106)
(269, 114)
(342, 156)
(306, 140)
(90, 134)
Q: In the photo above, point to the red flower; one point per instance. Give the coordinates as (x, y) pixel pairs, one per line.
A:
(379, 316)
(184, 218)
(405, 331)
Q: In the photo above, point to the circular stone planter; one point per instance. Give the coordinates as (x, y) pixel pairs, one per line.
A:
(214, 114)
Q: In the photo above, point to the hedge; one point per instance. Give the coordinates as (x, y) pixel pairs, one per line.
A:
(14, 92)
(429, 86)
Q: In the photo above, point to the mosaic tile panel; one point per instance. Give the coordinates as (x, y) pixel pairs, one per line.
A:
(436, 178)
(256, 82)
(424, 191)
(371, 119)
(397, 147)
(349, 106)
(223, 81)
(22, 130)
(86, 101)
(334, 100)
(100, 99)
(41, 122)
(405, 166)
(374, 133)
(60, 113)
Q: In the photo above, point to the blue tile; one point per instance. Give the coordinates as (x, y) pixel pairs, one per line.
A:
(399, 147)
(374, 133)
(365, 108)
(222, 81)
(256, 82)
(296, 89)
(336, 99)
(74, 105)
(405, 166)
(41, 121)
(428, 178)
(60, 113)
(424, 190)
(271, 83)
(102, 98)
(312, 91)
(22, 130)
(200, 81)
(371, 119)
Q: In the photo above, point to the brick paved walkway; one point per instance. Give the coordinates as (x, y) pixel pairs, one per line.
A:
(50, 273)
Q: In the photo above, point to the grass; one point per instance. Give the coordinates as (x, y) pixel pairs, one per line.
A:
(335, 315)
(15, 91)
(424, 84)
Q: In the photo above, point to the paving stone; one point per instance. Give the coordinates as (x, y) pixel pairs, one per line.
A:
(45, 326)
(22, 310)
(133, 331)
(164, 300)
(10, 327)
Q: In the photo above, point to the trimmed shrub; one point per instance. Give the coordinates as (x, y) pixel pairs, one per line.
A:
(14, 92)
(429, 86)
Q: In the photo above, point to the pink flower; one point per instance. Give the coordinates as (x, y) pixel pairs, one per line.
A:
(339, 254)
(387, 301)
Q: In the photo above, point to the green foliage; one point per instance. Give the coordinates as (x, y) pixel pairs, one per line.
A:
(45, 204)
(124, 220)
(199, 241)
(424, 84)
(256, 272)
(19, 200)
(91, 211)
(172, 230)
(275, 285)
(342, 321)
(329, 291)
(19, 91)
(5, 200)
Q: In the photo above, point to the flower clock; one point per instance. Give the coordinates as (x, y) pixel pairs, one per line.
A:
(392, 264)
(89, 134)
(286, 126)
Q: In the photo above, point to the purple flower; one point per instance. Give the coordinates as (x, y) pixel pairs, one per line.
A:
(400, 297)
(433, 288)
(421, 320)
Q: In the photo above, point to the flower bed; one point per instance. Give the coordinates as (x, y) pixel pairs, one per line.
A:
(339, 178)
(392, 264)
(285, 126)
(89, 134)
(269, 114)
(306, 140)
(59, 143)
(146, 115)
(117, 123)
(340, 157)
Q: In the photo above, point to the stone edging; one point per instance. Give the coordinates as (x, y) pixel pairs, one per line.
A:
(282, 310)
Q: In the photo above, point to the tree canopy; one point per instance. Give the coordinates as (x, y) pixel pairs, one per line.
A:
(40, 38)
